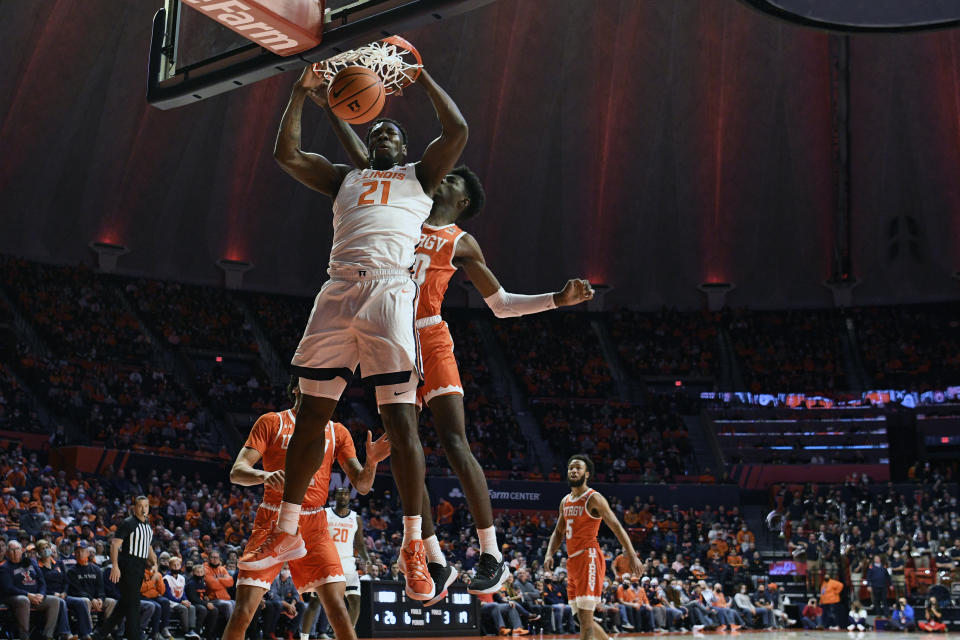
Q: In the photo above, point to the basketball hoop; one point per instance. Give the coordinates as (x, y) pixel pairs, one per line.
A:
(395, 60)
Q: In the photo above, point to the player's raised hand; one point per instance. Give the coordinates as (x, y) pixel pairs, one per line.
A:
(378, 449)
(309, 80)
(574, 292)
(274, 480)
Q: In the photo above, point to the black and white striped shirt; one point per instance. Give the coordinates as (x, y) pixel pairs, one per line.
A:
(136, 537)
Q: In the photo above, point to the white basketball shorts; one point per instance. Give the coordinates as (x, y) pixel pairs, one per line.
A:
(366, 318)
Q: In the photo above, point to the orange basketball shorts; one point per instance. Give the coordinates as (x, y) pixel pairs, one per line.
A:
(440, 373)
(321, 564)
(585, 572)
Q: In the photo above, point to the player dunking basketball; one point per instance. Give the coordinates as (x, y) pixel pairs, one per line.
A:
(581, 512)
(320, 570)
(444, 247)
(365, 313)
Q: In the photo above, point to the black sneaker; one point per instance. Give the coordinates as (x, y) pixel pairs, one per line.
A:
(443, 577)
(489, 576)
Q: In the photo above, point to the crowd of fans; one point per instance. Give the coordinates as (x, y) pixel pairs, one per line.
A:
(191, 316)
(200, 527)
(873, 544)
(784, 351)
(18, 409)
(667, 343)
(75, 310)
(907, 347)
(556, 355)
(645, 443)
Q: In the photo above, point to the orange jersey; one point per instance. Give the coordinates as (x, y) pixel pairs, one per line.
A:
(433, 266)
(582, 527)
(271, 435)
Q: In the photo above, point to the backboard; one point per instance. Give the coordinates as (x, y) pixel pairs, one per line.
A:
(193, 57)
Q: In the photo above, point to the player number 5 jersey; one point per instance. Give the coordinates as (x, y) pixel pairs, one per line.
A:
(582, 527)
(377, 217)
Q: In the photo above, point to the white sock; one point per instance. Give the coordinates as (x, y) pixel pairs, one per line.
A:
(411, 528)
(434, 554)
(289, 518)
(488, 542)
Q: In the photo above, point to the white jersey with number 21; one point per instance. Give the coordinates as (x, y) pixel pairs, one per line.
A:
(377, 217)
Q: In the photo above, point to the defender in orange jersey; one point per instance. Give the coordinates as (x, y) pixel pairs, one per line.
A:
(581, 512)
(316, 566)
(445, 247)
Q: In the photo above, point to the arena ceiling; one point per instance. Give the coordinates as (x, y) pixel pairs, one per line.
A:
(649, 145)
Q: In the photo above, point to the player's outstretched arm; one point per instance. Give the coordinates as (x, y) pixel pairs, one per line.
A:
(361, 476)
(346, 134)
(311, 169)
(243, 473)
(610, 518)
(510, 305)
(556, 538)
(442, 154)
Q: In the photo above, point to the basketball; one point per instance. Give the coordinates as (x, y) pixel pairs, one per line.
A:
(356, 95)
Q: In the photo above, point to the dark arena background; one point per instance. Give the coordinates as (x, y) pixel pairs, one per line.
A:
(763, 194)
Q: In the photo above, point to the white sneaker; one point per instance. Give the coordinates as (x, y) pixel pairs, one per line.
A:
(697, 628)
(860, 627)
(850, 627)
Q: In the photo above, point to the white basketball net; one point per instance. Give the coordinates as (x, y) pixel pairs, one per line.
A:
(395, 65)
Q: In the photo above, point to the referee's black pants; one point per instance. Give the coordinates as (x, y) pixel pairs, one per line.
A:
(128, 606)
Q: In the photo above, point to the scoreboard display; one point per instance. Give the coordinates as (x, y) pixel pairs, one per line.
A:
(387, 612)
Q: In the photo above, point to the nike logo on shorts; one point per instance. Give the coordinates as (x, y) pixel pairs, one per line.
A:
(398, 393)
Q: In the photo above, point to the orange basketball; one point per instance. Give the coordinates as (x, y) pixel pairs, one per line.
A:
(356, 95)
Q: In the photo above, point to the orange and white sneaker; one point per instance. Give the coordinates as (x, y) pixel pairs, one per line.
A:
(277, 548)
(413, 566)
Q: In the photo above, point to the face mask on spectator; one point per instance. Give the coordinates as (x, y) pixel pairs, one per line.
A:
(284, 575)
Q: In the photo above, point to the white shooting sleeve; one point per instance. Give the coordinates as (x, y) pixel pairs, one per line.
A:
(511, 305)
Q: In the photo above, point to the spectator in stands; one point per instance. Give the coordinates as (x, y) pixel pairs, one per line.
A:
(555, 597)
(830, 600)
(530, 595)
(903, 617)
(153, 589)
(878, 579)
(22, 587)
(857, 617)
(726, 613)
(812, 615)
(85, 581)
(180, 605)
(218, 581)
(196, 589)
(55, 577)
(282, 603)
(759, 617)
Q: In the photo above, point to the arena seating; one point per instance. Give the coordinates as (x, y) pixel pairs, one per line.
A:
(910, 346)
(556, 355)
(784, 351)
(667, 343)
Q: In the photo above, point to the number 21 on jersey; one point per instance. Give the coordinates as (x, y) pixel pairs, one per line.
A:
(370, 188)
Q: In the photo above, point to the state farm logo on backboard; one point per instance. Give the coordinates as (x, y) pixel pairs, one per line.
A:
(284, 27)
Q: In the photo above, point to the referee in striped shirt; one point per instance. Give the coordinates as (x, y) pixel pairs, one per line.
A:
(129, 551)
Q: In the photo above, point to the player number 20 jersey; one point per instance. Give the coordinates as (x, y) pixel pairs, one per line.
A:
(342, 531)
(377, 217)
